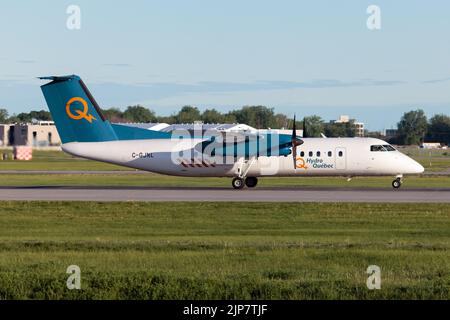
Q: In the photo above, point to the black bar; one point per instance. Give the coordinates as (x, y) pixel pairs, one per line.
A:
(91, 98)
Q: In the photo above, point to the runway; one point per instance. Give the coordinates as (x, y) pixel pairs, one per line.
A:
(303, 194)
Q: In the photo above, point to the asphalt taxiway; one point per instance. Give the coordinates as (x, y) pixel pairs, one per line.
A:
(303, 194)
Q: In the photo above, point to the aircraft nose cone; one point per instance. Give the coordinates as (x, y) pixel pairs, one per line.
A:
(420, 168)
(416, 167)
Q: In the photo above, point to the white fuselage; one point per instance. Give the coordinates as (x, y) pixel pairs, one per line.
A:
(315, 157)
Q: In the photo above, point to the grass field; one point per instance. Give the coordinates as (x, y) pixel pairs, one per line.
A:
(210, 251)
(55, 161)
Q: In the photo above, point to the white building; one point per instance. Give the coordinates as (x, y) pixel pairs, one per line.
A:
(39, 134)
(359, 126)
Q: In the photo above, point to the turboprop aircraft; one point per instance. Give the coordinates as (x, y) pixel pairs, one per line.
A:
(243, 156)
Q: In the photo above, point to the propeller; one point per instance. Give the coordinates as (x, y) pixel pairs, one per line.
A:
(295, 143)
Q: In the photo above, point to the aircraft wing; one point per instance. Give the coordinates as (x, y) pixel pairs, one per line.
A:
(239, 136)
(246, 144)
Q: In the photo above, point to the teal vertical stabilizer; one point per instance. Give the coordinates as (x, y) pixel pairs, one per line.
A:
(76, 114)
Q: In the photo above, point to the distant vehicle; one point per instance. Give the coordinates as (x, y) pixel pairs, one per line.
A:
(243, 156)
(431, 145)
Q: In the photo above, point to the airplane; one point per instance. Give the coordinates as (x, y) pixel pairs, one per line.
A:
(243, 156)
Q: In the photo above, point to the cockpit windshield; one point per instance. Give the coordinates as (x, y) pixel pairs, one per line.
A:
(385, 147)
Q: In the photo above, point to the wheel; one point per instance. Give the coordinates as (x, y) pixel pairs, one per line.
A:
(396, 183)
(238, 183)
(251, 182)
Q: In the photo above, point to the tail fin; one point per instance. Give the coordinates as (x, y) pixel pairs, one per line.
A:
(76, 114)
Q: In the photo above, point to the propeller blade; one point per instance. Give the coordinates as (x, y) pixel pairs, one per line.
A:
(294, 156)
(295, 142)
(294, 130)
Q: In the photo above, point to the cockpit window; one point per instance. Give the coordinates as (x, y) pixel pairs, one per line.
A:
(385, 147)
(389, 147)
(377, 148)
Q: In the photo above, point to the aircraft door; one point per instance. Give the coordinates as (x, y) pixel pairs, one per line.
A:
(340, 159)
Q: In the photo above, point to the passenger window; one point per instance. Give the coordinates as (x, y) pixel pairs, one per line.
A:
(341, 153)
(329, 153)
(302, 154)
(318, 153)
(310, 153)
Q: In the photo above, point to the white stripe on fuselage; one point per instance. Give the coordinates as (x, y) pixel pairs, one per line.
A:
(163, 156)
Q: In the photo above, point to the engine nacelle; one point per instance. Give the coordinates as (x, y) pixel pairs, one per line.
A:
(285, 151)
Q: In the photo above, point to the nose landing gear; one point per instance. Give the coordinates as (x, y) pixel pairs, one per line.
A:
(397, 183)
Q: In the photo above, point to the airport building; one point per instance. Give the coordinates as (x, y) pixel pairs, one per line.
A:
(37, 135)
(358, 125)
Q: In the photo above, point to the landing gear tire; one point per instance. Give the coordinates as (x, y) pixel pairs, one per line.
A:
(397, 183)
(238, 183)
(251, 182)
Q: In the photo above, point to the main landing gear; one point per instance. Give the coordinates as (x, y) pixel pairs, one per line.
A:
(250, 182)
(397, 183)
(242, 180)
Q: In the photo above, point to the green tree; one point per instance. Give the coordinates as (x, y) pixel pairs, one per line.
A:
(3, 115)
(229, 118)
(41, 115)
(412, 127)
(345, 129)
(13, 119)
(314, 126)
(139, 113)
(24, 117)
(334, 130)
(188, 114)
(439, 129)
(281, 121)
(212, 116)
(113, 114)
(169, 119)
(256, 116)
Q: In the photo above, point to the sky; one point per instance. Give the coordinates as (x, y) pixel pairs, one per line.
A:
(303, 57)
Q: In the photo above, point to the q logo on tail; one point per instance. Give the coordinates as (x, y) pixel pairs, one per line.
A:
(80, 114)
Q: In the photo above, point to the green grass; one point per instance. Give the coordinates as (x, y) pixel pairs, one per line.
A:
(138, 250)
(154, 180)
(55, 161)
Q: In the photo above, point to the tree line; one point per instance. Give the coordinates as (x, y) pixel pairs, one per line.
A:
(413, 127)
